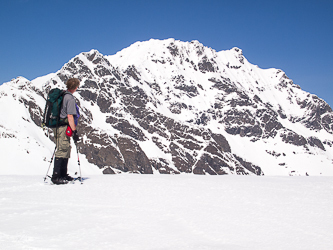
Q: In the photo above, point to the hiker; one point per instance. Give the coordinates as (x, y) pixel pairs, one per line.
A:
(68, 121)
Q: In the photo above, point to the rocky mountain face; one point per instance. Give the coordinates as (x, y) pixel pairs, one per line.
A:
(175, 107)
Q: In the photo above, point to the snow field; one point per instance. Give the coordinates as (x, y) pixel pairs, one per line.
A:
(130, 211)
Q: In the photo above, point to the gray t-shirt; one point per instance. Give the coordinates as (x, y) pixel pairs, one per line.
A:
(68, 106)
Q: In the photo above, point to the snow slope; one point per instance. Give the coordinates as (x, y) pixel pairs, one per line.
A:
(133, 212)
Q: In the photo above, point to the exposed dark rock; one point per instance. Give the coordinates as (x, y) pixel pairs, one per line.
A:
(190, 90)
(63, 77)
(89, 84)
(132, 72)
(327, 121)
(91, 56)
(210, 165)
(293, 138)
(182, 160)
(315, 142)
(88, 95)
(206, 65)
(163, 166)
(105, 102)
(36, 113)
(249, 166)
(224, 85)
(102, 71)
(160, 145)
(125, 127)
(108, 171)
(189, 144)
(222, 142)
(135, 159)
(103, 156)
(203, 120)
(177, 107)
(173, 49)
(133, 97)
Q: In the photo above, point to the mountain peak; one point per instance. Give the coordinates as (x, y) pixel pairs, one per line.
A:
(17, 82)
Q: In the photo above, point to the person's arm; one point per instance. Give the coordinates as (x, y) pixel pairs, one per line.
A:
(71, 122)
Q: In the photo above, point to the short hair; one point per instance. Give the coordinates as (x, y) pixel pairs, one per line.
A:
(72, 83)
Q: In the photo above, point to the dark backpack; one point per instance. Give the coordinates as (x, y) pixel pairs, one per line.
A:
(53, 106)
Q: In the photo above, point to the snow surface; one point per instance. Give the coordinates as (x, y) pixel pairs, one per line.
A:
(167, 212)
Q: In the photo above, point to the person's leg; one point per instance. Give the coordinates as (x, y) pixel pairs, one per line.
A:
(61, 156)
(63, 143)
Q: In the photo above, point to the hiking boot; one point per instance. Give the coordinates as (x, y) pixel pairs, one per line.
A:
(58, 180)
(68, 178)
(56, 171)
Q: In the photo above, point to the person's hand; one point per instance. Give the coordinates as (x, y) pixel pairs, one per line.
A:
(76, 137)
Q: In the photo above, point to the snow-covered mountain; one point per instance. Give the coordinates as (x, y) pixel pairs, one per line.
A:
(173, 107)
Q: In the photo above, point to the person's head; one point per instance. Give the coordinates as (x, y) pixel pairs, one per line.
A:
(72, 84)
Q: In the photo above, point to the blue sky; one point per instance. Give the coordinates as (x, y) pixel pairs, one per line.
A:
(39, 36)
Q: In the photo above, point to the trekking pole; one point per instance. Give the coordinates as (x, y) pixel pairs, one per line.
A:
(78, 161)
(50, 163)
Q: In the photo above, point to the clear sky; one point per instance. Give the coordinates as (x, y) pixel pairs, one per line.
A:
(39, 36)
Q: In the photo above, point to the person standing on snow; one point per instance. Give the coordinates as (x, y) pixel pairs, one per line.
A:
(68, 116)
